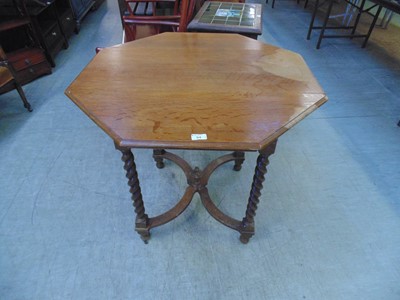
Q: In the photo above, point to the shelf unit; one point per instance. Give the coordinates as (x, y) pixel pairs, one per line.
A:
(52, 33)
(32, 32)
(21, 43)
(80, 8)
(66, 16)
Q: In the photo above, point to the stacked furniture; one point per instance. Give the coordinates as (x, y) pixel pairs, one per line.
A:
(20, 43)
(80, 8)
(8, 79)
(143, 18)
(32, 32)
(53, 23)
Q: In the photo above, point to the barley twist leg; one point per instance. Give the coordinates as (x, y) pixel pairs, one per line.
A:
(247, 227)
(141, 222)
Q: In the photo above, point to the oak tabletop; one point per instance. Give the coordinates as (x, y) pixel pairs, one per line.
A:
(196, 91)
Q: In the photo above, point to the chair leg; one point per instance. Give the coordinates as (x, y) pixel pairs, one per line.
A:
(310, 28)
(27, 105)
(372, 27)
(328, 13)
(360, 11)
(387, 18)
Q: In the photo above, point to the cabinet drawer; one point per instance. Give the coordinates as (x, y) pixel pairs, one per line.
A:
(28, 74)
(26, 58)
(68, 23)
(53, 37)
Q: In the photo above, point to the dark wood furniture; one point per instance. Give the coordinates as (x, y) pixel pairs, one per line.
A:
(228, 92)
(149, 17)
(65, 17)
(8, 79)
(228, 17)
(53, 22)
(80, 8)
(20, 42)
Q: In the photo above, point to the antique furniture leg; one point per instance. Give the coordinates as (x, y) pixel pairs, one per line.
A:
(247, 225)
(239, 160)
(142, 221)
(197, 183)
(9, 75)
(157, 155)
(21, 93)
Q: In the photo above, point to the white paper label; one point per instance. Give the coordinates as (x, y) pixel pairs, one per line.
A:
(199, 136)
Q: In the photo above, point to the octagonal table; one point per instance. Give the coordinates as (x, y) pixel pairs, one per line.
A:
(196, 91)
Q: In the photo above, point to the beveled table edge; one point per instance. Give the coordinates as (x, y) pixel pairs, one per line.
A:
(220, 146)
(197, 145)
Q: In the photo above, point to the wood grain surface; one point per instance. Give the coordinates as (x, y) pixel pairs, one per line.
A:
(158, 91)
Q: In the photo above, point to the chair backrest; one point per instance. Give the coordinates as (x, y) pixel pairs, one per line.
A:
(6, 75)
(149, 17)
(8, 79)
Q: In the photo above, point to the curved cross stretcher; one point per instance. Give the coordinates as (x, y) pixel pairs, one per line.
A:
(197, 183)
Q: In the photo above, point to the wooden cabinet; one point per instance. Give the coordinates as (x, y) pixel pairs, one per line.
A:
(32, 32)
(97, 3)
(66, 17)
(80, 8)
(51, 28)
(21, 43)
(29, 64)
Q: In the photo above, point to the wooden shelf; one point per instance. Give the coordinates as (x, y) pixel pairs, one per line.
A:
(14, 23)
(20, 42)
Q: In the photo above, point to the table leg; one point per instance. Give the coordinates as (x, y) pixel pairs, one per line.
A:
(157, 155)
(142, 220)
(247, 226)
(197, 183)
(239, 160)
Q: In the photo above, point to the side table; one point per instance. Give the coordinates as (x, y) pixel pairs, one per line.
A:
(228, 17)
(235, 94)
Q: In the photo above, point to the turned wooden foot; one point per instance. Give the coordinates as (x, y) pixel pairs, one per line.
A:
(197, 183)
(239, 159)
(157, 155)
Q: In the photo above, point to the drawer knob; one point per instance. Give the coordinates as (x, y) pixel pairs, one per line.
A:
(54, 33)
(27, 61)
(68, 19)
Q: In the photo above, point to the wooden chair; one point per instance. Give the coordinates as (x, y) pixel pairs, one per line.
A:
(9, 81)
(149, 17)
